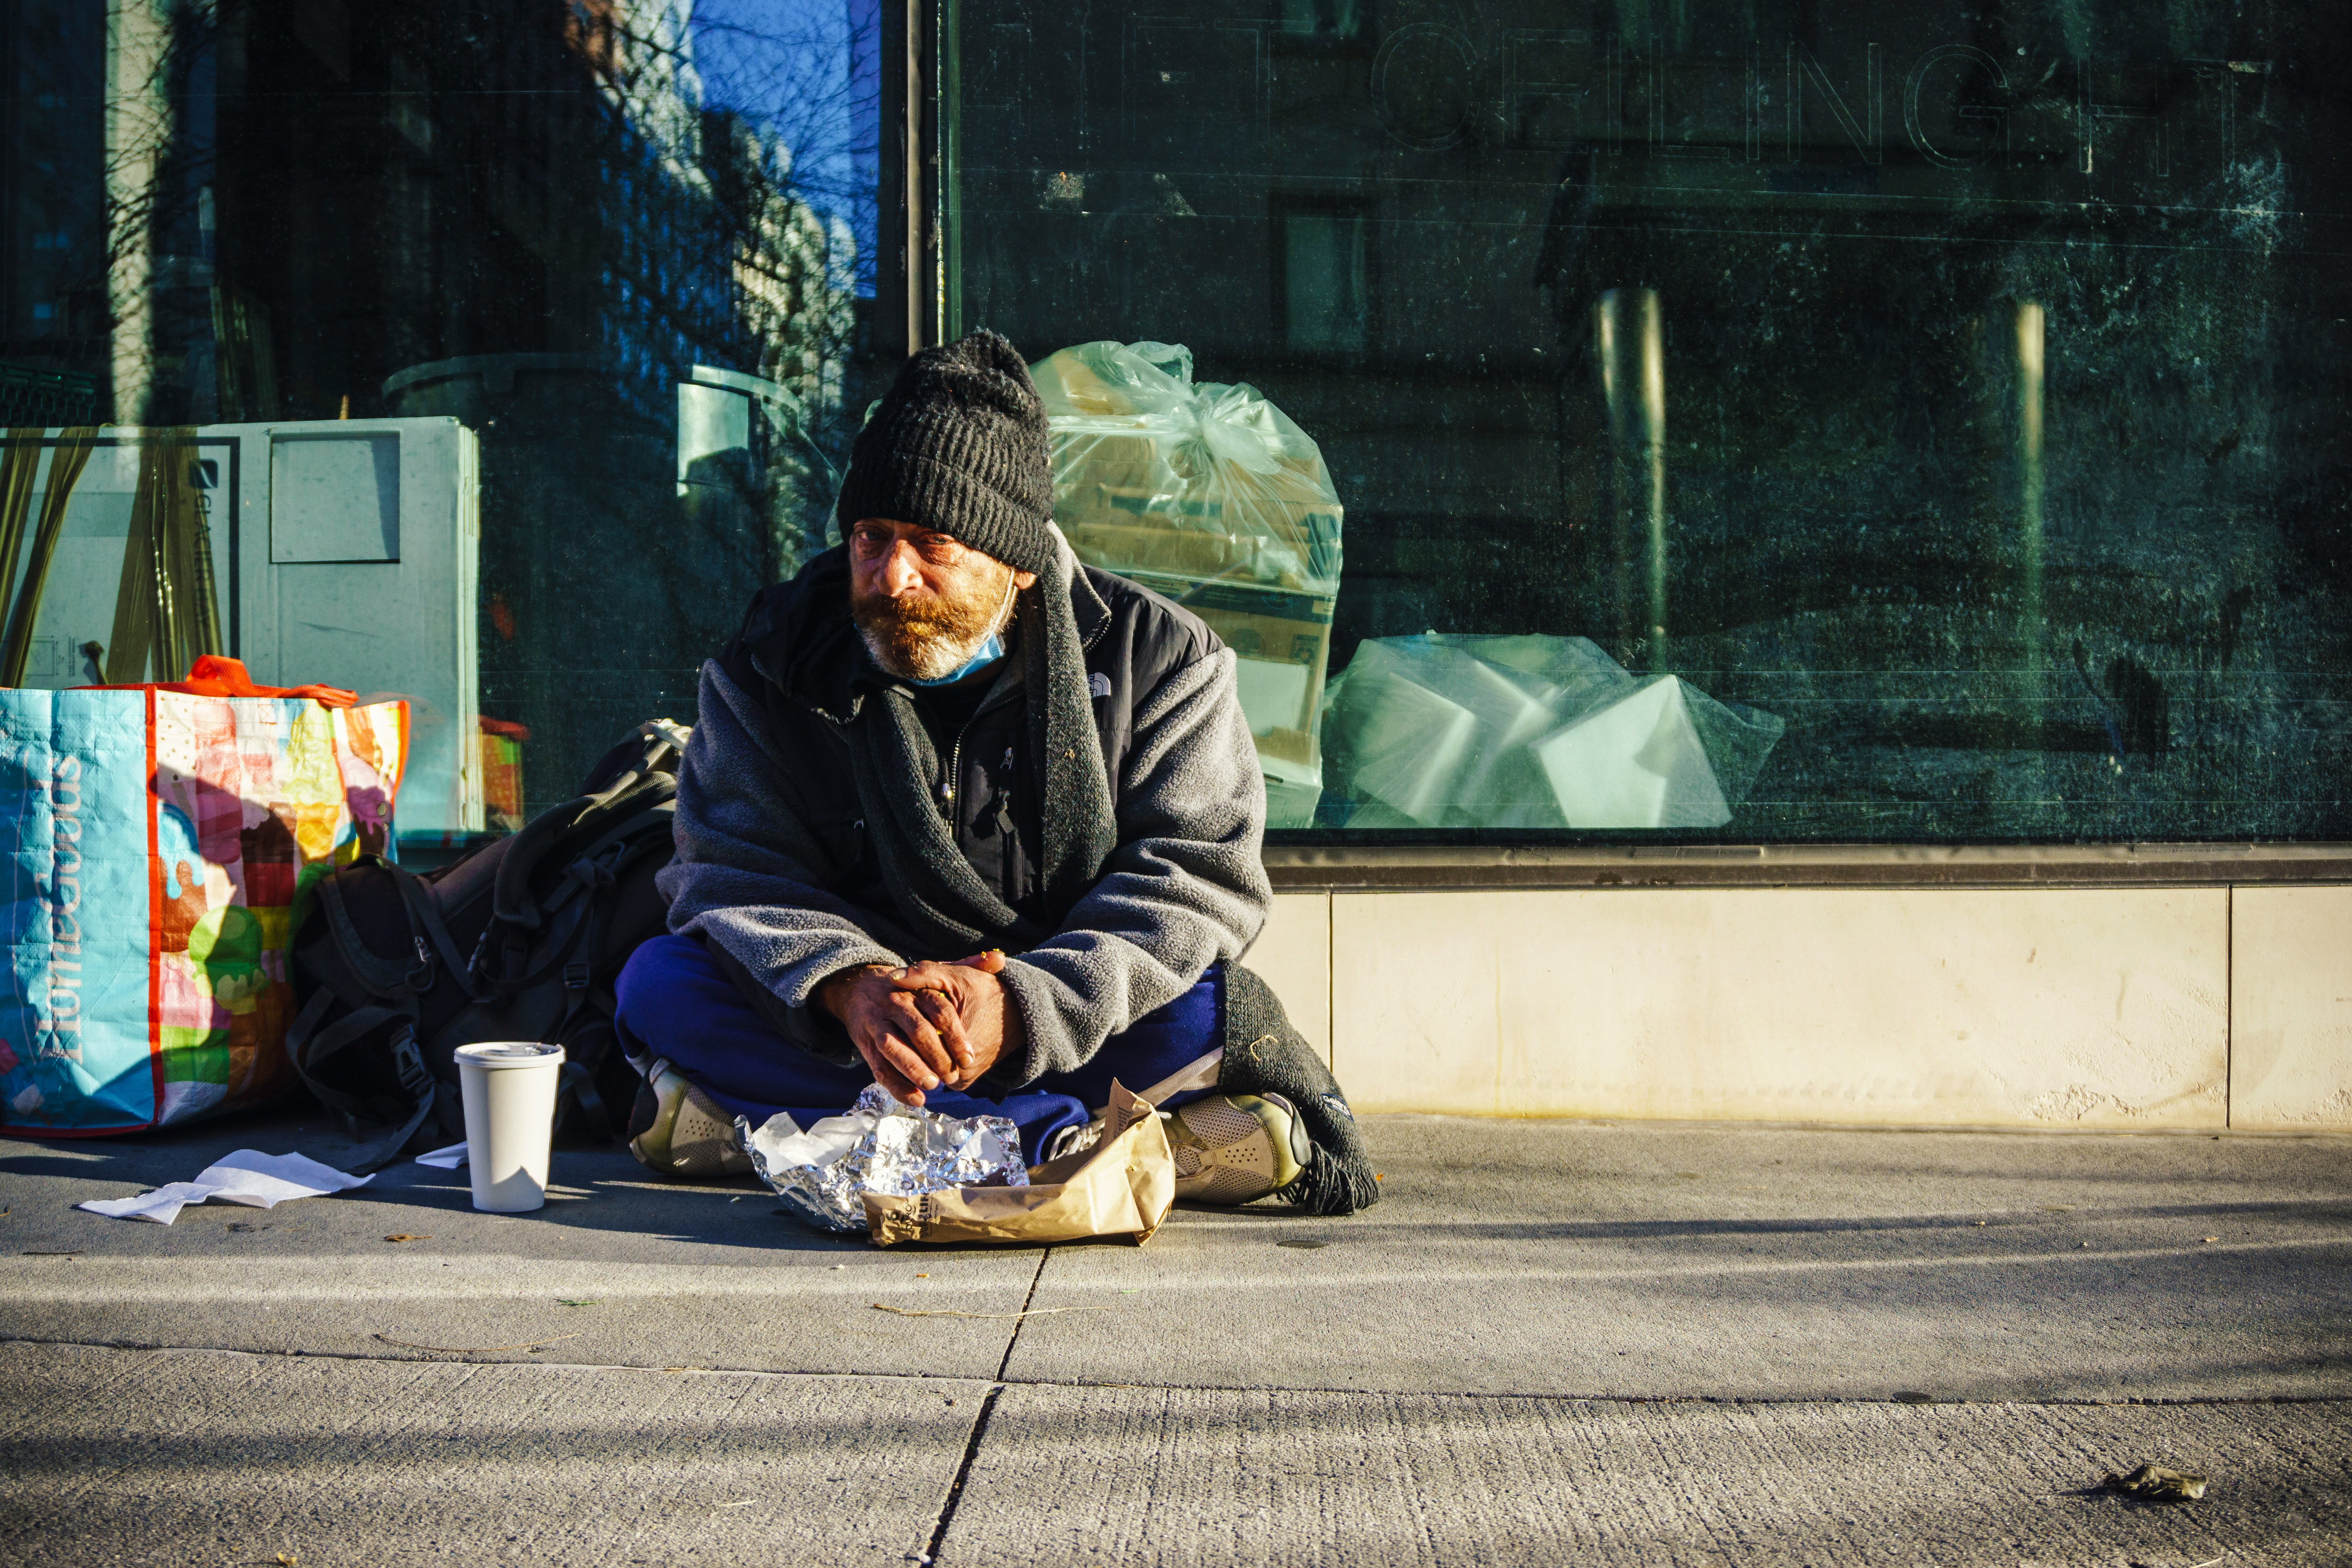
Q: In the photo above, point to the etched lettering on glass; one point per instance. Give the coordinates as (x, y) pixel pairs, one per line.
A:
(2123, 105)
(1974, 126)
(1702, 107)
(1425, 86)
(1547, 87)
(1807, 72)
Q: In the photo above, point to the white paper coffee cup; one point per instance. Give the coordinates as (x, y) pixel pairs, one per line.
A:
(510, 1092)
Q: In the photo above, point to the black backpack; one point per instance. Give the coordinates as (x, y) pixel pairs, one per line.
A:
(521, 939)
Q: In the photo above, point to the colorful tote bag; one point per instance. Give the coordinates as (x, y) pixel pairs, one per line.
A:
(165, 846)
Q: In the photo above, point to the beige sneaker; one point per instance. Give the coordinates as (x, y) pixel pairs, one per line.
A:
(1231, 1149)
(688, 1135)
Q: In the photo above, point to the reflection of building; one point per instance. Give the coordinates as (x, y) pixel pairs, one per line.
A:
(51, 211)
(520, 215)
(793, 269)
(433, 182)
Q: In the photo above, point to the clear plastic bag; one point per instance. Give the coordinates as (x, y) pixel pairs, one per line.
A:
(1532, 732)
(1212, 495)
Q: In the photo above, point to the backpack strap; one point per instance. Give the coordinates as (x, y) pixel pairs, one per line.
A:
(425, 923)
(381, 976)
(654, 774)
(426, 931)
(630, 843)
(598, 868)
(399, 989)
(422, 1086)
(579, 1085)
(308, 1047)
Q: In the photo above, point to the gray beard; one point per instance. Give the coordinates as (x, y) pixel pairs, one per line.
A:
(938, 657)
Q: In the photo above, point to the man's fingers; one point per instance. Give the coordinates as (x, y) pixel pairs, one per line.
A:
(893, 1082)
(927, 976)
(940, 1011)
(890, 1078)
(902, 1059)
(944, 993)
(902, 1017)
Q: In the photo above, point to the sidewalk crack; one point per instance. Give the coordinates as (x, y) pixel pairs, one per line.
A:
(979, 1433)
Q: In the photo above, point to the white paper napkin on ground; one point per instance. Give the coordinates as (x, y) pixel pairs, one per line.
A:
(447, 1159)
(248, 1177)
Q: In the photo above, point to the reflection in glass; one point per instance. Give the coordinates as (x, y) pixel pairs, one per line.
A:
(1629, 348)
(628, 244)
(1326, 299)
(2008, 454)
(2009, 448)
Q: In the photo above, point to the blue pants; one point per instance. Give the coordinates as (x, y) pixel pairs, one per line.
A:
(679, 1006)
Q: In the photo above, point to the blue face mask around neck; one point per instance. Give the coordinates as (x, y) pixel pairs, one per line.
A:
(988, 653)
(991, 650)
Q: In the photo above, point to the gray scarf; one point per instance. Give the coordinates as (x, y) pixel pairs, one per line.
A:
(941, 899)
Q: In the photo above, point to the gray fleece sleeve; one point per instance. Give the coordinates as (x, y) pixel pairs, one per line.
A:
(1185, 889)
(747, 876)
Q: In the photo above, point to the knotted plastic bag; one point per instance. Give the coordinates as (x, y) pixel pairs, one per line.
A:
(1211, 495)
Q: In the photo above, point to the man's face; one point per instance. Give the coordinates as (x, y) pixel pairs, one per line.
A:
(924, 602)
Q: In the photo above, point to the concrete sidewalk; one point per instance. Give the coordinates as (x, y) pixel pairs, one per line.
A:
(1552, 1342)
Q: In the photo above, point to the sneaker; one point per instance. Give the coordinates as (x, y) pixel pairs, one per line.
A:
(677, 1130)
(1233, 1148)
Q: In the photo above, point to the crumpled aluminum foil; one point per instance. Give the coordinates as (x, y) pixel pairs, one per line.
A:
(882, 1145)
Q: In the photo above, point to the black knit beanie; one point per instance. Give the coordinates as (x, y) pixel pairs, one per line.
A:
(958, 444)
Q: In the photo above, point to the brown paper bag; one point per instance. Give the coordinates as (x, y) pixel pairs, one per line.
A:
(1124, 1185)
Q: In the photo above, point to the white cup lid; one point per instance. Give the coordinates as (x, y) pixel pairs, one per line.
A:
(510, 1054)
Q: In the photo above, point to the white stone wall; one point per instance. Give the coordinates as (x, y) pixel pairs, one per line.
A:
(2060, 1008)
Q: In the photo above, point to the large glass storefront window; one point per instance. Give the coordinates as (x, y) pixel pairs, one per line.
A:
(486, 352)
(1775, 422)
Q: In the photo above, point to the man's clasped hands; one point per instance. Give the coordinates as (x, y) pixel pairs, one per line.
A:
(928, 1025)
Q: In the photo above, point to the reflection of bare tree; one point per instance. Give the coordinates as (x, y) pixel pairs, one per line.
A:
(806, 76)
(541, 220)
(674, 232)
(708, 187)
(157, 161)
(693, 264)
(722, 254)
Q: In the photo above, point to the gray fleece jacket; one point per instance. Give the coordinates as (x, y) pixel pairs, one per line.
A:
(774, 871)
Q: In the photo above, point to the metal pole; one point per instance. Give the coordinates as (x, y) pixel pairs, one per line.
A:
(1629, 344)
(2028, 327)
(921, 276)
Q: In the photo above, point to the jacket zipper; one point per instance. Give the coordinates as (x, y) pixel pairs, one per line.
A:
(955, 755)
(955, 769)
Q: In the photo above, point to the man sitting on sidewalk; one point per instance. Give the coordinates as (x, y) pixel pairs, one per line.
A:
(944, 739)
